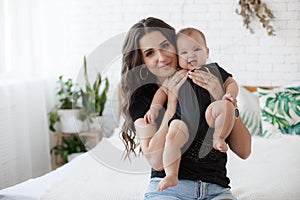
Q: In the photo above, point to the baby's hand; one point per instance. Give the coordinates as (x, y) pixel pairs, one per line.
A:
(230, 98)
(151, 115)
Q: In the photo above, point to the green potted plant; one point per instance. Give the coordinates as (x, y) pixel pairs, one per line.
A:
(66, 110)
(94, 99)
(73, 144)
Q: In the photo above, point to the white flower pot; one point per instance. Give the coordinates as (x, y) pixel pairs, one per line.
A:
(69, 122)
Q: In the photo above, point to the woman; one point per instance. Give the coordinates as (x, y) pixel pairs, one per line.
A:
(149, 58)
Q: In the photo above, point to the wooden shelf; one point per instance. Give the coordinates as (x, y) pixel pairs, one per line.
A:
(91, 140)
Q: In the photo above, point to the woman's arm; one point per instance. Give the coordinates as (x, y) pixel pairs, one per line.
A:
(239, 138)
(231, 87)
(152, 139)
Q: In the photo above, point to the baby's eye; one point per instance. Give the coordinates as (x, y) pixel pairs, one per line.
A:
(183, 52)
(198, 49)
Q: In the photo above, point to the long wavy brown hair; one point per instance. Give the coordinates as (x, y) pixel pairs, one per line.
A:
(131, 78)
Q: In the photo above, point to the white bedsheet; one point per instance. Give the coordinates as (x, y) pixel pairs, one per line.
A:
(102, 174)
(34, 188)
(271, 172)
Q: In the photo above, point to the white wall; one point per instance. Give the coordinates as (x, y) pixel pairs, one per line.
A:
(73, 28)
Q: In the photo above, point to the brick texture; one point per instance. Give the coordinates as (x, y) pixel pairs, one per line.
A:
(74, 28)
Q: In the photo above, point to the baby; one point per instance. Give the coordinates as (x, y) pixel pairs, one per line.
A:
(193, 53)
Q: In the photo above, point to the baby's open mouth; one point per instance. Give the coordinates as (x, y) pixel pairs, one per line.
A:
(193, 62)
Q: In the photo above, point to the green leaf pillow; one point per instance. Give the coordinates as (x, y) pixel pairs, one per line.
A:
(248, 105)
(280, 110)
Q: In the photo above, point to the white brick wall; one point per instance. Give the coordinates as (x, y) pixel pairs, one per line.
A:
(74, 28)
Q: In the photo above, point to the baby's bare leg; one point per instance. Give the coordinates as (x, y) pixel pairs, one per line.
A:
(220, 115)
(152, 142)
(177, 136)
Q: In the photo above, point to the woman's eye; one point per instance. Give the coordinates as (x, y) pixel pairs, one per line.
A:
(165, 45)
(149, 53)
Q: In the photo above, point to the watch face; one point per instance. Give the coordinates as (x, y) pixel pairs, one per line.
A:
(236, 113)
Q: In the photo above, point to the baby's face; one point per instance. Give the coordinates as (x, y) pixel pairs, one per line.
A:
(192, 51)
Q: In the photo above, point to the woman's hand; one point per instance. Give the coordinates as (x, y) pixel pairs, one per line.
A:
(230, 98)
(173, 84)
(207, 81)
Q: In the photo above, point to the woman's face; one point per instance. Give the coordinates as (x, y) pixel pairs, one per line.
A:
(159, 54)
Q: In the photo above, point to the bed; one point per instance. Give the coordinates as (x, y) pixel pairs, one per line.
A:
(271, 172)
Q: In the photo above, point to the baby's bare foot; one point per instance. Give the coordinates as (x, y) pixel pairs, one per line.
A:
(221, 146)
(166, 182)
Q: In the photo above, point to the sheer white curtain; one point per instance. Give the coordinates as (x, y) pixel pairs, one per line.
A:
(24, 136)
(21, 38)
(24, 143)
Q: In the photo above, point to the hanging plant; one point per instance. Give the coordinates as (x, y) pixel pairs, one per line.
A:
(251, 8)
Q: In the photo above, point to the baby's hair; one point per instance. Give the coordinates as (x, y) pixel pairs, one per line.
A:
(188, 31)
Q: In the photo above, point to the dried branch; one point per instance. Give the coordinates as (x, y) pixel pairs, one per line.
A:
(251, 8)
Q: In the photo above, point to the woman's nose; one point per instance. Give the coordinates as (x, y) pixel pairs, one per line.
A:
(161, 55)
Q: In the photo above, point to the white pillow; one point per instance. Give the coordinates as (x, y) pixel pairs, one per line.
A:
(248, 105)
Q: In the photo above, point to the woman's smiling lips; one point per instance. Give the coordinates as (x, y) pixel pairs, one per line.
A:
(165, 65)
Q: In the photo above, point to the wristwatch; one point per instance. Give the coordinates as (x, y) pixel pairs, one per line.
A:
(236, 112)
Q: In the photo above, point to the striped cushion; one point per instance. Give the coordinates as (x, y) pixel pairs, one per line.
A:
(249, 110)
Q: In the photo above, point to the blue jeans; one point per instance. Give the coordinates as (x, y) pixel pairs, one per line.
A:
(188, 190)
